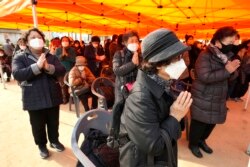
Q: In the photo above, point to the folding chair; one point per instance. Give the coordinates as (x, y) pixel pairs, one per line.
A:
(97, 89)
(107, 72)
(73, 96)
(99, 119)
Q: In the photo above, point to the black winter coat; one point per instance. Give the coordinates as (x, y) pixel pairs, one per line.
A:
(40, 89)
(124, 69)
(145, 114)
(209, 90)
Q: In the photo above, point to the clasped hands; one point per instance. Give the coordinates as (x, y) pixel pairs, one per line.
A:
(42, 62)
(181, 105)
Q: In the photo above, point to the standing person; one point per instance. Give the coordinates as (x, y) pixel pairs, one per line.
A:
(112, 48)
(125, 63)
(8, 48)
(5, 62)
(20, 47)
(78, 48)
(54, 44)
(120, 44)
(66, 54)
(106, 50)
(209, 89)
(95, 55)
(151, 115)
(37, 71)
(240, 83)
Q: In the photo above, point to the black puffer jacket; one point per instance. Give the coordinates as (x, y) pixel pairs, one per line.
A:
(40, 89)
(145, 114)
(209, 90)
(124, 69)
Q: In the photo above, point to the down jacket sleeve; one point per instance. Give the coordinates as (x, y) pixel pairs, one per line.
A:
(119, 68)
(208, 70)
(22, 70)
(143, 125)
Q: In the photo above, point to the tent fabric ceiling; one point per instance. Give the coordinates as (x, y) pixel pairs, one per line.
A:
(106, 17)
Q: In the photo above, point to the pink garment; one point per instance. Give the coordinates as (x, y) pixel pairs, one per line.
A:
(129, 86)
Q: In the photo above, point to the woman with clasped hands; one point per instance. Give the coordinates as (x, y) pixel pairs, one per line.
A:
(151, 114)
(209, 90)
(37, 72)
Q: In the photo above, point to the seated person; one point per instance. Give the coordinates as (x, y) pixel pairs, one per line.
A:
(81, 78)
(5, 61)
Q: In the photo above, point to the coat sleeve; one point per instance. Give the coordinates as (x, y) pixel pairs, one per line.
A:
(21, 71)
(56, 68)
(89, 76)
(119, 68)
(143, 126)
(74, 80)
(205, 73)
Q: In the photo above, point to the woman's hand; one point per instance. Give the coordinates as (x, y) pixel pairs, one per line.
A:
(231, 66)
(181, 105)
(135, 58)
(41, 60)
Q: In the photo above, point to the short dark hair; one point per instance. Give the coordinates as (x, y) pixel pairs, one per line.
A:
(222, 33)
(95, 39)
(129, 34)
(76, 41)
(34, 29)
(119, 39)
(114, 37)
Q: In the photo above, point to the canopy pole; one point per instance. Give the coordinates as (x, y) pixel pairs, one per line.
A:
(80, 34)
(34, 2)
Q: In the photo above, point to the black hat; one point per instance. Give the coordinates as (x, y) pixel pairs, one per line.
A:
(161, 45)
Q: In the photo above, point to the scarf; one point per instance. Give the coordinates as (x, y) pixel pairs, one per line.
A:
(219, 54)
(165, 84)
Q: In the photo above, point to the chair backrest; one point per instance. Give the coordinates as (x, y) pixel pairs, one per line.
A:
(108, 73)
(103, 88)
(66, 82)
(99, 119)
(75, 97)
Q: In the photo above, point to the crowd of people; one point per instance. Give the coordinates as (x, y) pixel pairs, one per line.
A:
(147, 70)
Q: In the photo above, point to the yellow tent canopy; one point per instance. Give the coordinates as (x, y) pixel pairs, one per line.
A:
(106, 17)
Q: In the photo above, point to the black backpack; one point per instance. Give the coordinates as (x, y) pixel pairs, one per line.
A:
(96, 149)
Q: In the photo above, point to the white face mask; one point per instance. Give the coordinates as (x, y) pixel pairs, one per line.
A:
(175, 69)
(80, 68)
(22, 47)
(36, 43)
(1, 54)
(95, 45)
(65, 44)
(133, 47)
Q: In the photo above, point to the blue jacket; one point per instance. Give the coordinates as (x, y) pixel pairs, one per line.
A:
(40, 89)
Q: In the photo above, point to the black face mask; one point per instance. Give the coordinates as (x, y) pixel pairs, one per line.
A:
(226, 48)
